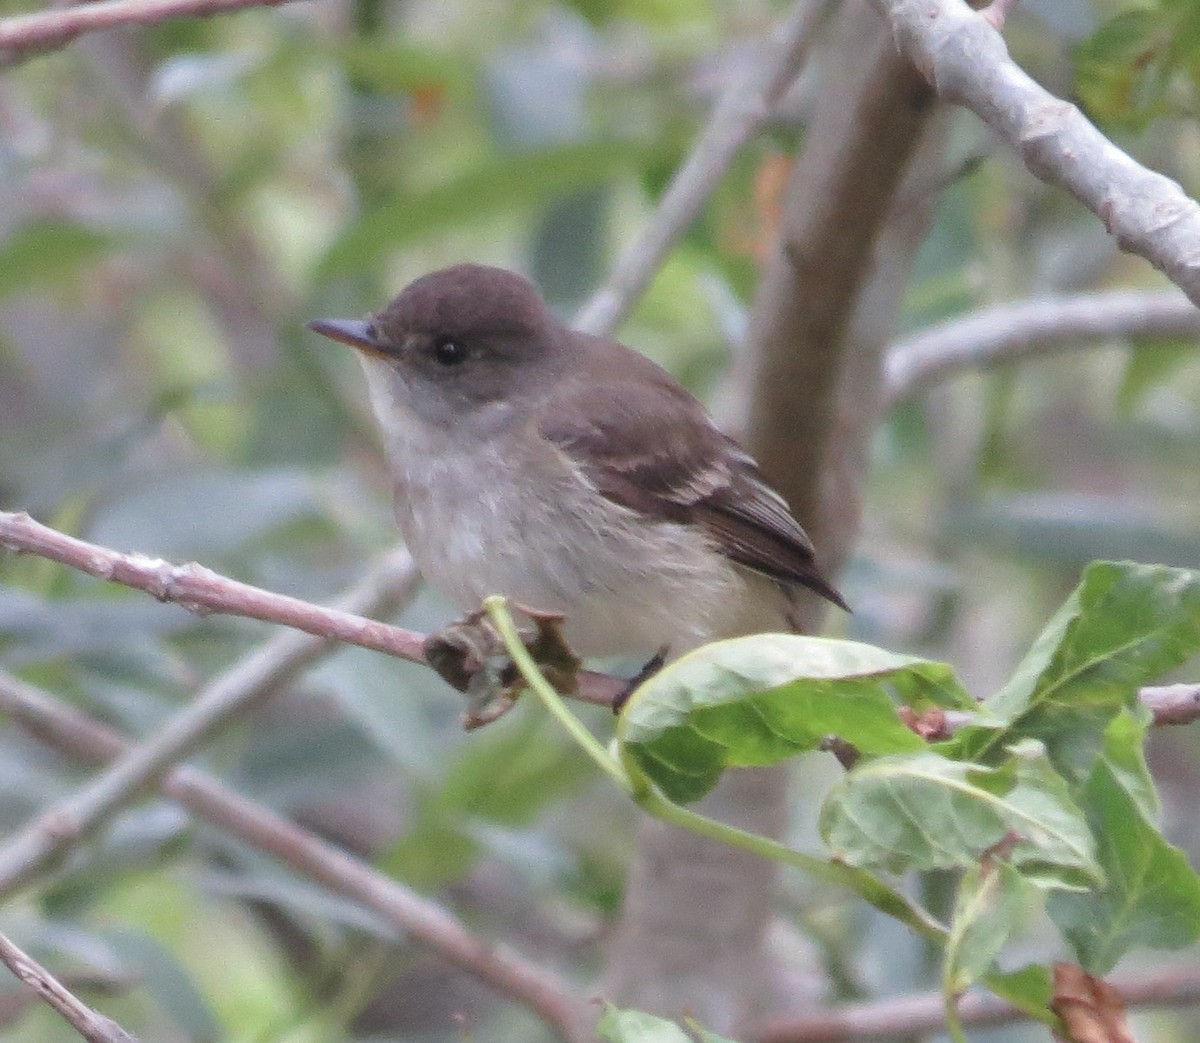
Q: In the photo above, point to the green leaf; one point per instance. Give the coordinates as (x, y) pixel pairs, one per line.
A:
(923, 812)
(1123, 626)
(762, 699)
(993, 898)
(634, 1026)
(508, 775)
(1029, 988)
(162, 976)
(1152, 894)
(500, 183)
(46, 252)
(1152, 363)
(392, 66)
(1124, 68)
(1124, 754)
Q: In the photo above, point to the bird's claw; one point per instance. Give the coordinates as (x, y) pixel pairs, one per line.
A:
(469, 654)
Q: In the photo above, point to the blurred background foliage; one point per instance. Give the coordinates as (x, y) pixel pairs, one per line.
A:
(176, 203)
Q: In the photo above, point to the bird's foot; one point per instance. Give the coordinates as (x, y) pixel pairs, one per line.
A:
(652, 666)
(469, 655)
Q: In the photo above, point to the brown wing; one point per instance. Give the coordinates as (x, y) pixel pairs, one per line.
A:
(649, 446)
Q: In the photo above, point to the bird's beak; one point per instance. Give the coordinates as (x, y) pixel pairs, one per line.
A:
(358, 333)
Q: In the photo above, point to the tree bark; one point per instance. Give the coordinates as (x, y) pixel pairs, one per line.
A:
(690, 939)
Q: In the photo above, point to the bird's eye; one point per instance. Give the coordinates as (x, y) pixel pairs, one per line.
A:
(449, 352)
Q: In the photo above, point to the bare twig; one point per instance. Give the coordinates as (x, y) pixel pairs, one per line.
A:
(737, 117)
(1172, 703)
(93, 1027)
(1168, 704)
(15, 1003)
(236, 690)
(914, 1015)
(965, 59)
(24, 36)
(1010, 332)
(77, 735)
(203, 591)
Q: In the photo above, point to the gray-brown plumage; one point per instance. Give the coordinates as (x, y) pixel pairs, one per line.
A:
(568, 472)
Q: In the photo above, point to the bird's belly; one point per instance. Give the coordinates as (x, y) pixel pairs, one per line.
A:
(625, 586)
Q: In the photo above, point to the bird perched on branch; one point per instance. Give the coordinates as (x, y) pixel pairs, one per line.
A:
(569, 473)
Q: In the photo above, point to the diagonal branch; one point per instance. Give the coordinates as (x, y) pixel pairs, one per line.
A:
(239, 688)
(738, 116)
(77, 735)
(965, 59)
(93, 1027)
(24, 36)
(203, 591)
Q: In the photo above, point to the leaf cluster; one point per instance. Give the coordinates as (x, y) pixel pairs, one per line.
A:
(1141, 64)
(1042, 795)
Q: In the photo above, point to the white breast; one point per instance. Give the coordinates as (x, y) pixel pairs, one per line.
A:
(507, 516)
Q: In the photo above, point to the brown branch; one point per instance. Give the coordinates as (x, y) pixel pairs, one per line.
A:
(16, 1002)
(93, 1027)
(45, 840)
(254, 678)
(77, 735)
(260, 673)
(1012, 332)
(24, 36)
(870, 117)
(1172, 703)
(203, 591)
(1168, 704)
(738, 116)
(966, 61)
(916, 1015)
(49, 837)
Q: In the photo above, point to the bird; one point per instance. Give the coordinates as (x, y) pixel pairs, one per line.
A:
(570, 473)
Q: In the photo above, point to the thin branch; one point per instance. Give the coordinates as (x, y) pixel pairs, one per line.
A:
(15, 1003)
(203, 591)
(137, 767)
(1011, 332)
(1168, 704)
(916, 1015)
(737, 117)
(93, 1027)
(49, 837)
(79, 736)
(252, 679)
(966, 61)
(24, 36)
(1172, 703)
